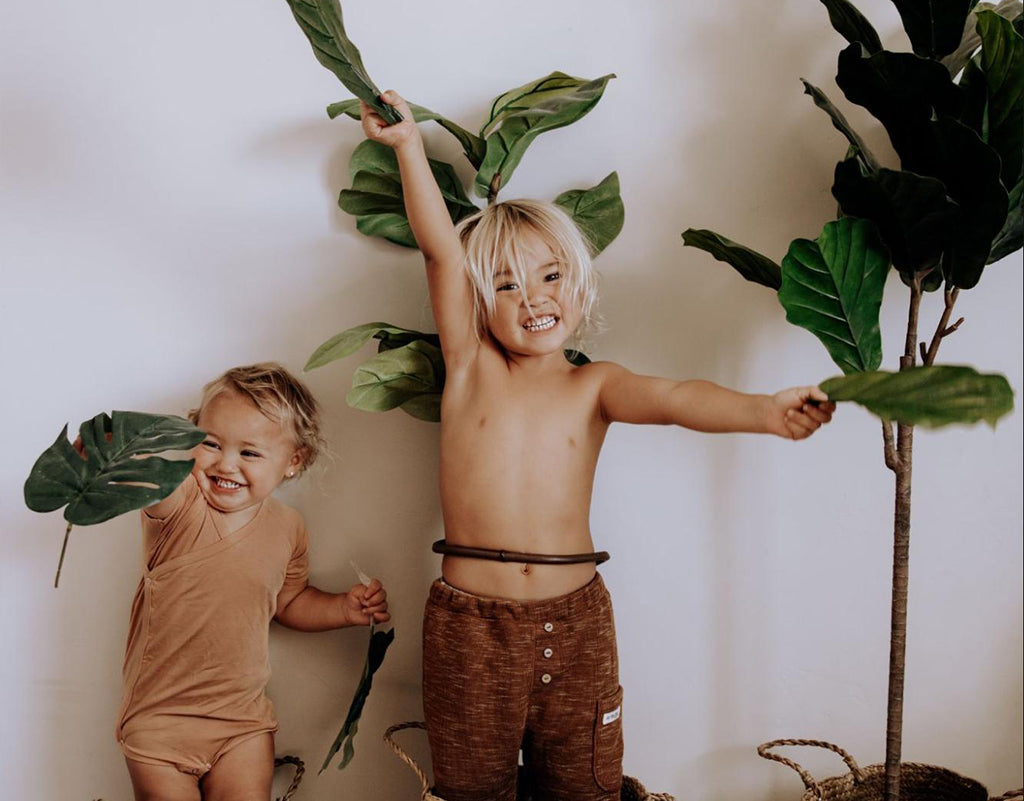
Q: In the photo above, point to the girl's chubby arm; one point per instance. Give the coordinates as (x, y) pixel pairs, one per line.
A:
(703, 406)
(310, 609)
(451, 296)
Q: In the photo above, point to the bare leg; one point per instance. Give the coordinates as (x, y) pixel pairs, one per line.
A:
(161, 783)
(245, 773)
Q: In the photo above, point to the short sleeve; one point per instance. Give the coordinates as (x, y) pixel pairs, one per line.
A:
(185, 513)
(297, 574)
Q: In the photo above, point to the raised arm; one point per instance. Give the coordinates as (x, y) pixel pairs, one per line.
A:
(703, 406)
(451, 295)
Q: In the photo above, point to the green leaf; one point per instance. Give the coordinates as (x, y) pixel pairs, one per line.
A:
(348, 342)
(748, 263)
(934, 26)
(473, 146)
(521, 115)
(1002, 60)
(933, 396)
(378, 647)
(912, 212)
(376, 198)
(111, 480)
(321, 21)
(833, 287)
(970, 40)
(839, 121)
(397, 376)
(852, 25)
(598, 212)
(1011, 237)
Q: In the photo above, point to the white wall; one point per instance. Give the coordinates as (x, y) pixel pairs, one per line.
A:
(168, 210)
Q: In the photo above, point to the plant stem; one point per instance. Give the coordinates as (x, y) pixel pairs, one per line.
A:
(63, 548)
(943, 329)
(900, 568)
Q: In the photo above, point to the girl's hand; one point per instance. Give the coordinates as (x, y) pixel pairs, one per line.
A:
(362, 602)
(799, 412)
(397, 135)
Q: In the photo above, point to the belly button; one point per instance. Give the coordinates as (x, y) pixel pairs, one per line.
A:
(526, 569)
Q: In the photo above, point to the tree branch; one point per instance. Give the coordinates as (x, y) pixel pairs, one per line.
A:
(943, 329)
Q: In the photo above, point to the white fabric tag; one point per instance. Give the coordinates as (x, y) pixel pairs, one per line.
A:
(611, 717)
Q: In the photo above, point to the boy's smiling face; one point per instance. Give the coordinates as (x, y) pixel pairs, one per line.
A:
(543, 324)
(245, 454)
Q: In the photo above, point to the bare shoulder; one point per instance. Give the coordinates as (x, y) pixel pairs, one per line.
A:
(601, 373)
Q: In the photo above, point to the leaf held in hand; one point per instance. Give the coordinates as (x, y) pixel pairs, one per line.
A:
(932, 396)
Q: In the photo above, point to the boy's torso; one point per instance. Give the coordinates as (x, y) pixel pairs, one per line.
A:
(519, 448)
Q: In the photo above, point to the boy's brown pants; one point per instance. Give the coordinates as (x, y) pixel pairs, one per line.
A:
(502, 675)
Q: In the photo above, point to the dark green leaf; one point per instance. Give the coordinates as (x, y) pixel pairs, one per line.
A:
(833, 288)
(348, 342)
(1002, 60)
(970, 40)
(473, 146)
(974, 86)
(1011, 237)
(934, 26)
(928, 396)
(598, 212)
(912, 212)
(519, 116)
(321, 21)
(379, 643)
(111, 480)
(841, 125)
(394, 377)
(376, 198)
(852, 25)
(748, 263)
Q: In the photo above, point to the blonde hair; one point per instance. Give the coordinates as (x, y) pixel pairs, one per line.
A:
(491, 243)
(280, 396)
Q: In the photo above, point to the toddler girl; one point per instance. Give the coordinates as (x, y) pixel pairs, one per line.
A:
(518, 640)
(222, 559)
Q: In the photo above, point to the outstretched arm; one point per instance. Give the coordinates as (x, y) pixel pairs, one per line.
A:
(450, 292)
(310, 609)
(703, 406)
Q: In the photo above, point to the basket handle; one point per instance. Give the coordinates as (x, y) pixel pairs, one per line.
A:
(408, 760)
(300, 768)
(1010, 795)
(764, 751)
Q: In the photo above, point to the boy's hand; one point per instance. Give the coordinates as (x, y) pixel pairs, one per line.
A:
(397, 135)
(799, 412)
(361, 602)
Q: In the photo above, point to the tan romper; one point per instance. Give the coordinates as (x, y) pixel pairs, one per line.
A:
(197, 664)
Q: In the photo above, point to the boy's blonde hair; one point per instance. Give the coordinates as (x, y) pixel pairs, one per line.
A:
(280, 396)
(491, 243)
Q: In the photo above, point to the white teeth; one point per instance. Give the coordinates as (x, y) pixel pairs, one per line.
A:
(223, 483)
(541, 323)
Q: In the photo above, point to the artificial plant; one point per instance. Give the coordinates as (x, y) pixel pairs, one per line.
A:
(408, 370)
(110, 469)
(953, 111)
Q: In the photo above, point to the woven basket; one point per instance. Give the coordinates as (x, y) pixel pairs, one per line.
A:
(300, 768)
(632, 790)
(917, 782)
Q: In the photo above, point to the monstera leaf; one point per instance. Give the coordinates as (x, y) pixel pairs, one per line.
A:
(598, 212)
(935, 27)
(321, 21)
(110, 479)
(852, 25)
(376, 199)
(379, 643)
(520, 115)
(473, 146)
(932, 396)
(748, 263)
(833, 288)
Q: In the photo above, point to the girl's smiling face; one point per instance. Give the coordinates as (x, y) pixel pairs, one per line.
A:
(536, 319)
(245, 454)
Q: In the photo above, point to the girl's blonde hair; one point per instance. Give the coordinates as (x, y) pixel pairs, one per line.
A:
(280, 396)
(491, 241)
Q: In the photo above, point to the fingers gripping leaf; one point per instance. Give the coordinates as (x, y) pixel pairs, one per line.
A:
(379, 642)
(598, 212)
(521, 115)
(833, 288)
(110, 479)
(321, 21)
(931, 396)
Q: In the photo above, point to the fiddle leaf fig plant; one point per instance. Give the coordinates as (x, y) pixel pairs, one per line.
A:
(105, 475)
(953, 112)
